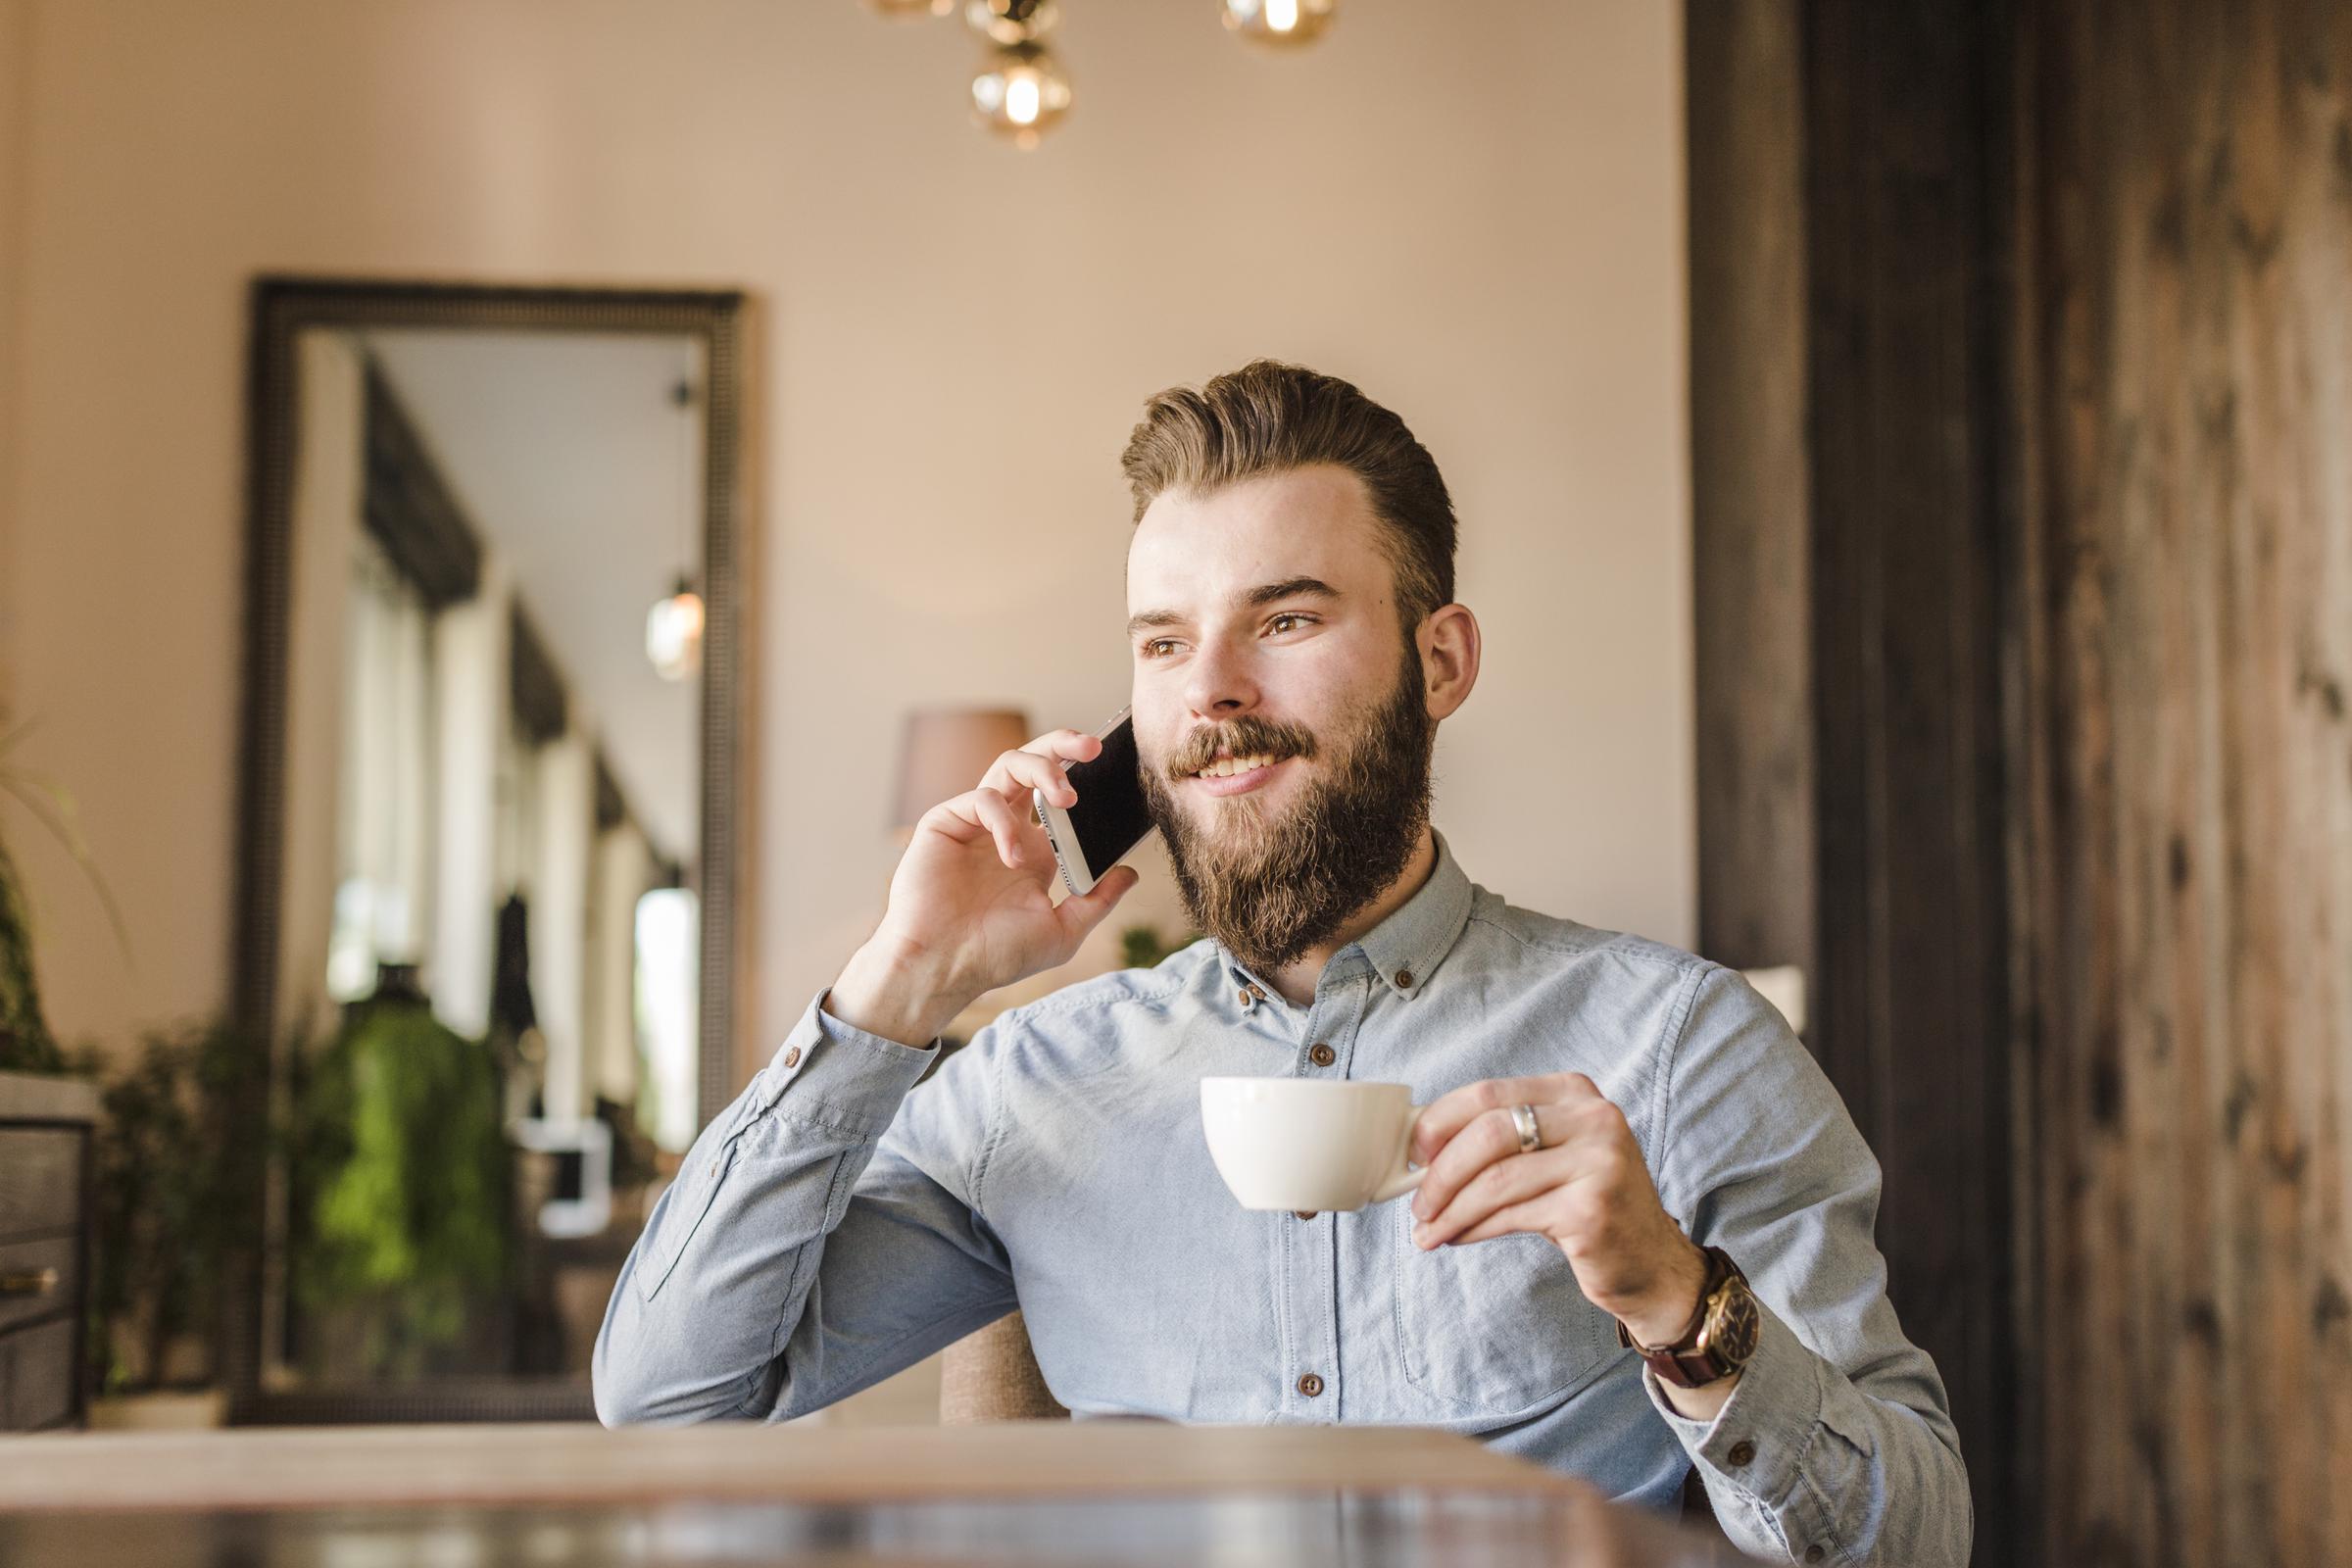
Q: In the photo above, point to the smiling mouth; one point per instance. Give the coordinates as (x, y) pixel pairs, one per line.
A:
(1233, 766)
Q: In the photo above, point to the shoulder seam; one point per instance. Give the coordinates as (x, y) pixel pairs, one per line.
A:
(1677, 1035)
(1673, 959)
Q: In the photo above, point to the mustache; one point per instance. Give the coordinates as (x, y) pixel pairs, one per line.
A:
(1247, 736)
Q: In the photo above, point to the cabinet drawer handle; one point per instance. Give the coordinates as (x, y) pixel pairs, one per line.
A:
(39, 1282)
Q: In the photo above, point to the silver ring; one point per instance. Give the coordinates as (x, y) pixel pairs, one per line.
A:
(1530, 1136)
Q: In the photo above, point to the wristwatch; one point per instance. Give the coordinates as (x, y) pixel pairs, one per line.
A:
(1722, 1334)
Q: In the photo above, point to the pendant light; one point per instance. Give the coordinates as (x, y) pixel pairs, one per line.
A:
(673, 627)
(1281, 22)
(1020, 90)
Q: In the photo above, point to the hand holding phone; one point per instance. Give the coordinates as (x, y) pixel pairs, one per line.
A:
(1110, 815)
(971, 903)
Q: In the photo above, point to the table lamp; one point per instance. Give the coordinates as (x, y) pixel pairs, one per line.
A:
(944, 752)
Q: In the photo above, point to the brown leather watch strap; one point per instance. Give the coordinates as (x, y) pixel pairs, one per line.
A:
(1685, 1363)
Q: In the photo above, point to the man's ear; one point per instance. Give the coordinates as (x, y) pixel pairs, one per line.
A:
(1448, 639)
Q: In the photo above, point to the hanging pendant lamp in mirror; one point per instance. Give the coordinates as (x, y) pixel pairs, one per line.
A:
(673, 633)
(673, 627)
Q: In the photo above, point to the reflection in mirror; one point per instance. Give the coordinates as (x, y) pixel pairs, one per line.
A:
(488, 952)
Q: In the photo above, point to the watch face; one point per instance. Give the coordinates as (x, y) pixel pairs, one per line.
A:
(1733, 1324)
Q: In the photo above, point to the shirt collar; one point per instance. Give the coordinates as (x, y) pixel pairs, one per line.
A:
(1405, 949)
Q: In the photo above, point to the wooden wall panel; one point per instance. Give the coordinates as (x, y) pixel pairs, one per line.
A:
(1850, 327)
(1751, 484)
(1906, 133)
(2184, 831)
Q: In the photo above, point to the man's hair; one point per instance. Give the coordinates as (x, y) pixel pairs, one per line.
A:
(1269, 418)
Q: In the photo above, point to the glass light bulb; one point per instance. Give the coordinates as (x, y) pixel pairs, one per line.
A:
(1011, 21)
(911, 8)
(1022, 91)
(1021, 100)
(1279, 21)
(673, 634)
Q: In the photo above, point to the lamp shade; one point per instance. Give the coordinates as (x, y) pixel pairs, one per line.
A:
(945, 751)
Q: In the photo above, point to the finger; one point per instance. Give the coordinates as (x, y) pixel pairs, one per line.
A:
(1083, 912)
(1003, 825)
(1018, 772)
(1495, 1137)
(1488, 1137)
(958, 817)
(964, 818)
(1527, 1218)
(1070, 745)
(1449, 1114)
(1513, 1179)
(1039, 763)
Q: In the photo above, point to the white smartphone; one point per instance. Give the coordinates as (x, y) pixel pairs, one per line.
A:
(1110, 815)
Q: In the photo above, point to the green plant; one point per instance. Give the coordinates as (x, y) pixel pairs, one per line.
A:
(26, 1043)
(402, 1179)
(177, 1204)
(1141, 947)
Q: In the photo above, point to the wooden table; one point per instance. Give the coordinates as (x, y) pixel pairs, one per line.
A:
(1050, 1491)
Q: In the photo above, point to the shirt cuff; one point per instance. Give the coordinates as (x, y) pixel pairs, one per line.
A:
(1757, 1441)
(834, 1072)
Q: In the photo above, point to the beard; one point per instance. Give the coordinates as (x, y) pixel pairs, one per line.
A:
(1271, 887)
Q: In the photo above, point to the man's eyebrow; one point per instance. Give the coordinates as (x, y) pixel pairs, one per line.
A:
(1290, 588)
(1264, 594)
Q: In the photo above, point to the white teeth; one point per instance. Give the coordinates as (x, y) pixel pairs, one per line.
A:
(1226, 768)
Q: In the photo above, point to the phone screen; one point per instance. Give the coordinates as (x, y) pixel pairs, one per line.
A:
(1110, 816)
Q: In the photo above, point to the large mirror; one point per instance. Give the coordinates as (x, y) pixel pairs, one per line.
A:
(486, 915)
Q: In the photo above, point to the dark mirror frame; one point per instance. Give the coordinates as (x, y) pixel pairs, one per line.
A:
(282, 308)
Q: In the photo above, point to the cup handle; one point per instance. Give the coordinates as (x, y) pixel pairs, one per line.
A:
(1403, 1176)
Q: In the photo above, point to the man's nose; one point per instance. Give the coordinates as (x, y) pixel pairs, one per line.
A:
(1219, 685)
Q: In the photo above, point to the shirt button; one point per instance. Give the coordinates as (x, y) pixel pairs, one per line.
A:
(1405, 979)
(792, 1057)
(1243, 995)
(1814, 1553)
(1310, 1385)
(1257, 993)
(1743, 1452)
(1304, 1214)
(1322, 1055)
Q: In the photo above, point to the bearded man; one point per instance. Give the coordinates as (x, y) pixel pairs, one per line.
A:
(1643, 1239)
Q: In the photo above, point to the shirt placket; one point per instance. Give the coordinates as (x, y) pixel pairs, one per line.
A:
(1313, 1260)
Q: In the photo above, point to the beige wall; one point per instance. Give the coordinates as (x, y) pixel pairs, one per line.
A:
(1475, 211)
(14, 72)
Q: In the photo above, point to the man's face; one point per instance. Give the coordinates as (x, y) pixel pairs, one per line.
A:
(1278, 707)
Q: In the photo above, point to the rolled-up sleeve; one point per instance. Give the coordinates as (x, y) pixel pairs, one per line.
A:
(795, 1259)
(1837, 1444)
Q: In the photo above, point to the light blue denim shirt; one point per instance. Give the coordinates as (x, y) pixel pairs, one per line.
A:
(831, 1226)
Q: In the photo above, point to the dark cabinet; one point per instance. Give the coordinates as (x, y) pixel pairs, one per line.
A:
(45, 1129)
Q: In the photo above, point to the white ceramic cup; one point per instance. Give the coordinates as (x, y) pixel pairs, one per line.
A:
(1309, 1144)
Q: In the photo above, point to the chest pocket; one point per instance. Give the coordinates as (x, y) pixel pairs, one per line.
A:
(1496, 1328)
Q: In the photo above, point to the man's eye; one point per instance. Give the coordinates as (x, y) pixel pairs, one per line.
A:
(1156, 647)
(1276, 625)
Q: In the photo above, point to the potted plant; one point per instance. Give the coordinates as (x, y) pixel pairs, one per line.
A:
(402, 1183)
(176, 1215)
